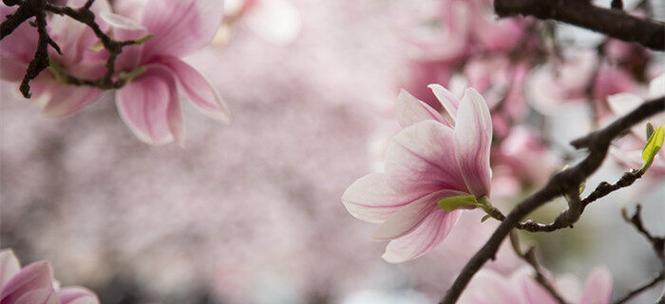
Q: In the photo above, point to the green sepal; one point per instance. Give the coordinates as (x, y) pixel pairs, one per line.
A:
(654, 144)
(458, 201)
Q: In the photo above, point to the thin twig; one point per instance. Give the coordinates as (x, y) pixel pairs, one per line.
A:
(529, 256)
(564, 182)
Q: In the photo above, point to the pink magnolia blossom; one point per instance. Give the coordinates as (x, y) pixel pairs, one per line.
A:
(562, 81)
(433, 157)
(79, 58)
(631, 148)
(34, 284)
(149, 104)
(523, 148)
(488, 287)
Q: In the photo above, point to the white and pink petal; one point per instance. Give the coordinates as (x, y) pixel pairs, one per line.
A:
(150, 107)
(473, 140)
(421, 159)
(434, 229)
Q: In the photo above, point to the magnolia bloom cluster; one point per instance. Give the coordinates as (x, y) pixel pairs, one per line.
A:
(150, 103)
(434, 157)
(488, 287)
(629, 150)
(34, 283)
(472, 48)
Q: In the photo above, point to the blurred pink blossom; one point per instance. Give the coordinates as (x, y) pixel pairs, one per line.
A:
(523, 148)
(78, 57)
(149, 104)
(34, 284)
(433, 157)
(488, 286)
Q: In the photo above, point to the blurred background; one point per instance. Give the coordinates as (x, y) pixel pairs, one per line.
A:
(251, 212)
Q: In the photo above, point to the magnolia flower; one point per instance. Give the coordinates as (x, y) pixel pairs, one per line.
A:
(34, 284)
(561, 82)
(78, 57)
(631, 149)
(488, 287)
(523, 148)
(432, 158)
(149, 103)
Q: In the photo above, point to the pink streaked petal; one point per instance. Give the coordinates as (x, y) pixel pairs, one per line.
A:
(149, 106)
(598, 287)
(180, 26)
(20, 45)
(198, 89)
(489, 287)
(423, 239)
(411, 110)
(9, 266)
(65, 99)
(473, 139)
(40, 296)
(371, 199)
(409, 217)
(533, 292)
(448, 99)
(77, 295)
(421, 159)
(35, 276)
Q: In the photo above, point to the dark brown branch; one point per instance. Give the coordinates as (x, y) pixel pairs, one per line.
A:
(564, 182)
(575, 207)
(41, 61)
(611, 22)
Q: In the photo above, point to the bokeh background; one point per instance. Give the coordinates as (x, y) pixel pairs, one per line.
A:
(251, 212)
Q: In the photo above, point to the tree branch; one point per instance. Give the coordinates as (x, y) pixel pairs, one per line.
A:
(612, 22)
(41, 61)
(564, 182)
(529, 256)
(658, 246)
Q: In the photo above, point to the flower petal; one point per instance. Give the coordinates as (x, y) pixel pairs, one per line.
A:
(533, 292)
(35, 276)
(180, 26)
(39, 296)
(657, 87)
(448, 99)
(489, 287)
(623, 103)
(371, 199)
(423, 239)
(9, 266)
(150, 108)
(16, 49)
(410, 216)
(77, 295)
(598, 287)
(411, 110)
(421, 159)
(65, 99)
(473, 138)
(198, 89)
